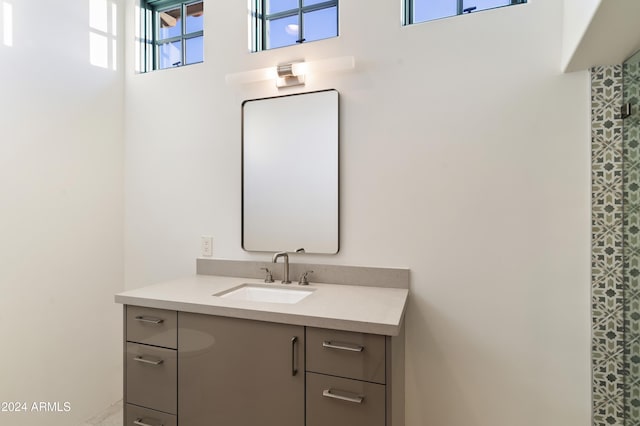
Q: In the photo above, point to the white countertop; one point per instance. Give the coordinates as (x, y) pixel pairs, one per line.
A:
(377, 310)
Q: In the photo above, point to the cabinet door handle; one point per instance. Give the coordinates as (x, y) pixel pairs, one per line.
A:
(148, 361)
(149, 320)
(329, 393)
(342, 346)
(139, 422)
(294, 358)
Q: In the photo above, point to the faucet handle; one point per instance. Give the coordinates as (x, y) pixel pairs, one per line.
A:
(303, 278)
(269, 277)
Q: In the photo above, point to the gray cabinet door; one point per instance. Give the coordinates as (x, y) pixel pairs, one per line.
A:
(234, 372)
(334, 401)
(135, 416)
(152, 326)
(357, 356)
(151, 377)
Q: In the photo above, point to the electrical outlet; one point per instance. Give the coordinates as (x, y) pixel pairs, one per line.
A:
(206, 245)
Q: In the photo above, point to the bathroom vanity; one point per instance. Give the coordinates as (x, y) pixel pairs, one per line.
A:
(336, 356)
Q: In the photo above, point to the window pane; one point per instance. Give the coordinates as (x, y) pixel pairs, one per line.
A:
(275, 6)
(170, 54)
(170, 23)
(194, 50)
(321, 24)
(195, 20)
(484, 4)
(427, 10)
(282, 32)
(310, 2)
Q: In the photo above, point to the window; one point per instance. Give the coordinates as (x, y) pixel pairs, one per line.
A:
(173, 33)
(278, 23)
(428, 10)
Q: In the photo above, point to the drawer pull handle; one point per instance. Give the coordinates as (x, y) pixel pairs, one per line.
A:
(139, 422)
(342, 346)
(329, 393)
(294, 361)
(148, 361)
(149, 320)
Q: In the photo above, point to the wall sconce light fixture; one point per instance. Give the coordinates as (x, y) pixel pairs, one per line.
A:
(292, 73)
(289, 76)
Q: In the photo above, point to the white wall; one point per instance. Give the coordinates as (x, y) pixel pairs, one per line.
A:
(61, 216)
(577, 18)
(465, 157)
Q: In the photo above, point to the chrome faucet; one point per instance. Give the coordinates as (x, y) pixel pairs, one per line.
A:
(285, 255)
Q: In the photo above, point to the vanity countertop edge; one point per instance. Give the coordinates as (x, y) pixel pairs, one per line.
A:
(374, 310)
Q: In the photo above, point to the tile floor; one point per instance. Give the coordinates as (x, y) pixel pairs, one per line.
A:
(112, 416)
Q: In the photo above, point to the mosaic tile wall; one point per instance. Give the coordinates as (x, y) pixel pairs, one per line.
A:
(631, 241)
(607, 299)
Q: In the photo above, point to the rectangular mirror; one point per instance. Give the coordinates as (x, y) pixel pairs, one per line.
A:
(290, 173)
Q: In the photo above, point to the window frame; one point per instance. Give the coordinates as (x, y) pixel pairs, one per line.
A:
(260, 20)
(408, 8)
(151, 30)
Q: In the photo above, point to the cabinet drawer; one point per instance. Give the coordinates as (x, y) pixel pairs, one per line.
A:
(139, 416)
(152, 326)
(346, 354)
(152, 377)
(344, 402)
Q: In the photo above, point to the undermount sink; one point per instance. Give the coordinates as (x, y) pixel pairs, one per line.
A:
(265, 293)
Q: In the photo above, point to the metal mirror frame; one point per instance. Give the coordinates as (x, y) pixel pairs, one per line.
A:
(243, 170)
